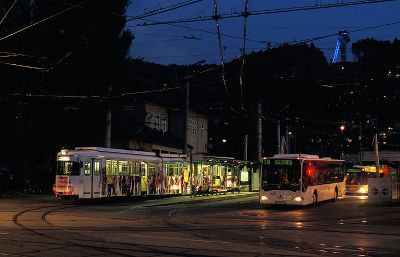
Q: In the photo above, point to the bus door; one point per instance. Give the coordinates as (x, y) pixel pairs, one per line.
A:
(91, 178)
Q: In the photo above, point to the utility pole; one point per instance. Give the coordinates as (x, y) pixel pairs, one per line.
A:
(191, 171)
(185, 122)
(287, 138)
(376, 154)
(258, 134)
(107, 136)
(360, 139)
(278, 137)
(246, 137)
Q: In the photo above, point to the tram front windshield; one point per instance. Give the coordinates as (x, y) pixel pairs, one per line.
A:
(68, 168)
(281, 175)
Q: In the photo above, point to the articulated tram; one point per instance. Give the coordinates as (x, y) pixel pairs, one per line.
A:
(95, 172)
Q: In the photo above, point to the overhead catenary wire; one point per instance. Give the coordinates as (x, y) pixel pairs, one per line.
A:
(4, 54)
(42, 20)
(351, 31)
(264, 12)
(22, 66)
(165, 9)
(115, 96)
(8, 11)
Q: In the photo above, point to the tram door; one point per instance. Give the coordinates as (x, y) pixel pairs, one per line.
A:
(91, 180)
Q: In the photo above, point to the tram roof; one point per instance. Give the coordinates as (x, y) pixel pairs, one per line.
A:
(114, 150)
(301, 156)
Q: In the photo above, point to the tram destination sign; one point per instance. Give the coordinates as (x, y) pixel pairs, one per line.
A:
(278, 162)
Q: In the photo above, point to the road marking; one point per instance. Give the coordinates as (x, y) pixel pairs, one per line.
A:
(182, 239)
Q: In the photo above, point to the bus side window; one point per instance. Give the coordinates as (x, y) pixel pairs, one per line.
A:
(314, 179)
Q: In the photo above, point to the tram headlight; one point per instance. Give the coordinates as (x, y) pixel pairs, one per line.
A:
(264, 198)
(298, 199)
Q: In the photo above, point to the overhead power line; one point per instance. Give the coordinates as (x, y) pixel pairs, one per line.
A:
(351, 31)
(22, 66)
(8, 11)
(163, 10)
(263, 12)
(43, 20)
(12, 54)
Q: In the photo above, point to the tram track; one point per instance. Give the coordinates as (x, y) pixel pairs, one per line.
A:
(58, 241)
(197, 229)
(89, 242)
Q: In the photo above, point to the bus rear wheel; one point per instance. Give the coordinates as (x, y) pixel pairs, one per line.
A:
(315, 199)
(335, 195)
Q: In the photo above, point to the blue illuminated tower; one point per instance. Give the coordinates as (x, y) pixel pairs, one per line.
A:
(341, 46)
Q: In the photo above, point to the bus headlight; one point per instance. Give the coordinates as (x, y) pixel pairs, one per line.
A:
(264, 198)
(362, 190)
(298, 199)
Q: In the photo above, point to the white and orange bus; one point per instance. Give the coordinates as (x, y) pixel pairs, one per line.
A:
(301, 179)
(357, 178)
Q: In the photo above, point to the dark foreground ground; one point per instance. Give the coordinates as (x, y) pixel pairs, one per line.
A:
(231, 225)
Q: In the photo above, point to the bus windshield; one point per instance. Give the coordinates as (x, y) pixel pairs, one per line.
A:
(280, 174)
(68, 168)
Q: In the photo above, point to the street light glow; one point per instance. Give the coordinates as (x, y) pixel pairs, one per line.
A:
(223, 140)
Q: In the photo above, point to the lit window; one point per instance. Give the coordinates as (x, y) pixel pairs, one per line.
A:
(87, 168)
(96, 168)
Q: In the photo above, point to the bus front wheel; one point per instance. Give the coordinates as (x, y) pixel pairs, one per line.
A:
(315, 198)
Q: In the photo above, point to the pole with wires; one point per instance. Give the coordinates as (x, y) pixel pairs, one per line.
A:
(216, 17)
(245, 14)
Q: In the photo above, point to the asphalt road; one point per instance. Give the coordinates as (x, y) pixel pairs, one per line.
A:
(46, 226)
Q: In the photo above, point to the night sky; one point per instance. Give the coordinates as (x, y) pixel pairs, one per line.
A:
(167, 44)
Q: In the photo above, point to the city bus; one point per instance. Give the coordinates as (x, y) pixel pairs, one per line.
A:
(357, 178)
(301, 179)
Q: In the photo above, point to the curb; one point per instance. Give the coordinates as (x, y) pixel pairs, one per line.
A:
(229, 197)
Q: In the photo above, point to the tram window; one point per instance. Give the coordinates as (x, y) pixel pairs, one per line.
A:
(87, 168)
(68, 168)
(97, 168)
(137, 169)
(108, 167)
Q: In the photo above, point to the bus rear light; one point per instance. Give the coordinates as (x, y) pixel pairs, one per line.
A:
(264, 198)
